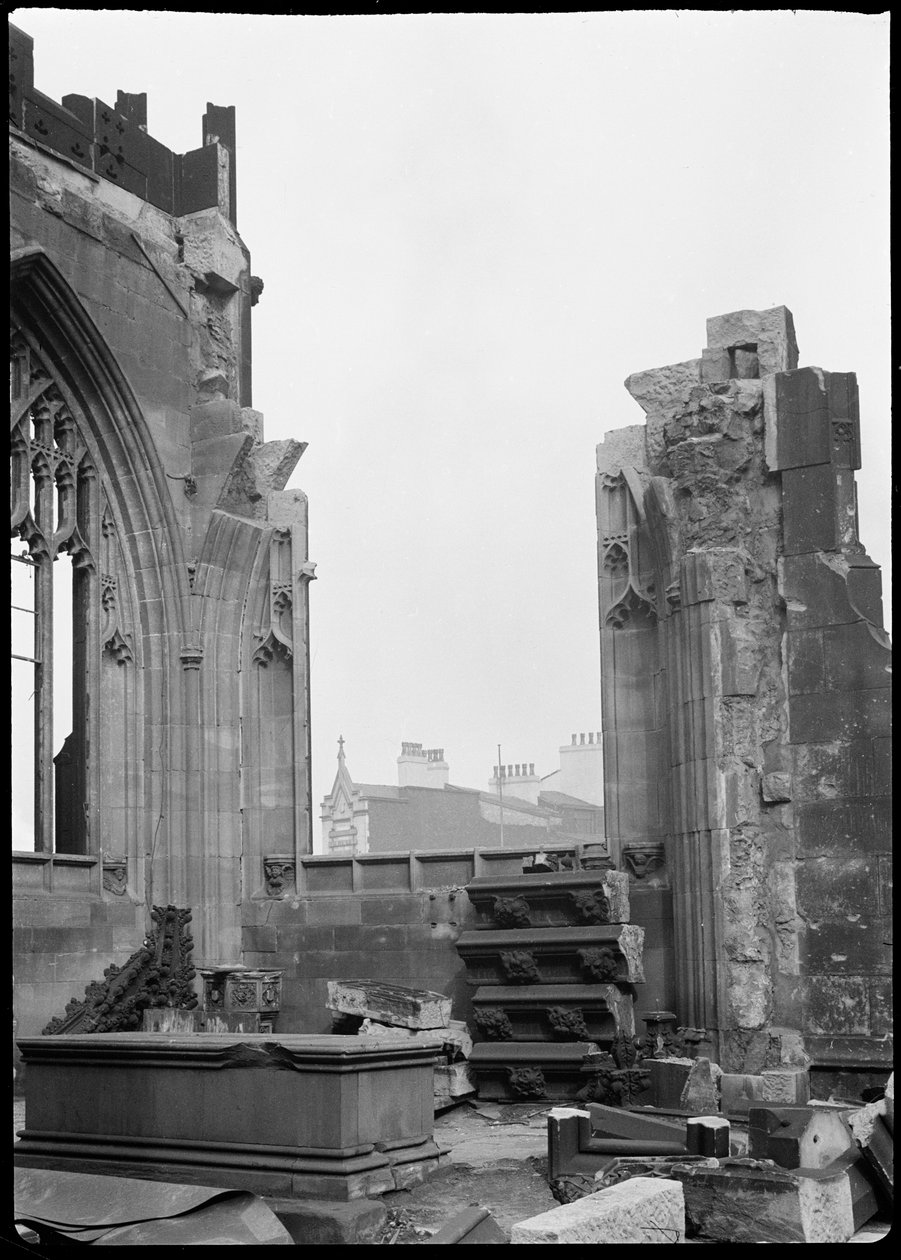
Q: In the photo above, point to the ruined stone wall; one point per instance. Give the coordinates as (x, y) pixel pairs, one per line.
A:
(745, 689)
(131, 299)
(396, 918)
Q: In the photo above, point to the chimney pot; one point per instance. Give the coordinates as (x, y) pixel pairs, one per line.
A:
(582, 738)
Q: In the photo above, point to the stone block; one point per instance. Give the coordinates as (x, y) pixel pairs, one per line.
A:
(741, 1201)
(315, 1221)
(786, 1084)
(259, 940)
(849, 714)
(708, 1136)
(668, 1080)
(872, 1129)
(809, 510)
(453, 1040)
(797, 1137)
(739, 1092)
(452, 1081)
(700, 1093)
(858, 825)
(390, 1004)
(856, 658)
(641, 1210)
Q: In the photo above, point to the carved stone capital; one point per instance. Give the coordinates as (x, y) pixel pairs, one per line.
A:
(645, 862)
(280, 874)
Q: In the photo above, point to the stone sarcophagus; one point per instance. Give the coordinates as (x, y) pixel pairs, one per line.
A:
(295, 1116)
(573, 955)
(558, 899)
(553, 1012)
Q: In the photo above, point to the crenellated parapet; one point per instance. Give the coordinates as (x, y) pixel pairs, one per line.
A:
(113, 142)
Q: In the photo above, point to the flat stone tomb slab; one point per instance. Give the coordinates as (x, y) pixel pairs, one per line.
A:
(555, 899)
(304, 1116)
(553, 1012)
(609, 954)
(520, 1071)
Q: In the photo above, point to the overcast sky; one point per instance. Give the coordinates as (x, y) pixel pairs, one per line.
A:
(471, 229)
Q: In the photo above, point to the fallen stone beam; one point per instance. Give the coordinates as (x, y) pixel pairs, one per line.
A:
(553, 899)
(518, 1071)
(455, 1036)
(474, 1225)
(580, 1146)
(642, 1210)
(539, 1012)
(605, 954)
(389, 1003)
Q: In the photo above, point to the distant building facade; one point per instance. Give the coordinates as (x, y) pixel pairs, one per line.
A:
(425, 811)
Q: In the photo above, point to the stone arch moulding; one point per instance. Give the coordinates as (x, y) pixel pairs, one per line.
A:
(54, 323)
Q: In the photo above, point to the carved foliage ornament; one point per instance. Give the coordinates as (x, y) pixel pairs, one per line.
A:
(567, 1025)
(160, 973)
(526, 1082)
(520, 967)
(601, 963)
(493, 1024)
(511, 912)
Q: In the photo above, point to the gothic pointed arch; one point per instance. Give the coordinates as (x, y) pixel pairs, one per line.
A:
(87, 480)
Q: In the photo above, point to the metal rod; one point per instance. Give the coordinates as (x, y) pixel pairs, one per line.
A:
(500, 791)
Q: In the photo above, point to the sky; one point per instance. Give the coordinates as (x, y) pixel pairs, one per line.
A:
(471, 229)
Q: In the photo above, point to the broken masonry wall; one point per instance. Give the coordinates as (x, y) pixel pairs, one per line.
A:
(746, 684)
(131, 295)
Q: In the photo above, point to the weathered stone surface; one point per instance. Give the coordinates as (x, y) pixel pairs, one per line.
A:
(608, 953)
(700, 1093)
(141, 1102)
(521, 1070)
(455, 1040)
(554, 1012)
(739, 1091)
(744, 1202)
(641, 1210)
(389, 1003)
(662, 387)
(668, 1080)
(452, 1081)
(733, 536)
(708, 1136)
(785, 1084)
(797, 1137)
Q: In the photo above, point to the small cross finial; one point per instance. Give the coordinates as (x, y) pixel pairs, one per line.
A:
(340, 747)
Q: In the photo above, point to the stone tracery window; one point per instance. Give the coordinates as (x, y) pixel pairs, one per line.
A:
(53, 581)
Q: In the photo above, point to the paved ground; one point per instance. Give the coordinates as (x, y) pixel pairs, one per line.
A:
(496, 1158)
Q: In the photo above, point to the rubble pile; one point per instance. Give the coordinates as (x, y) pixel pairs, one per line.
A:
(391, 1012)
